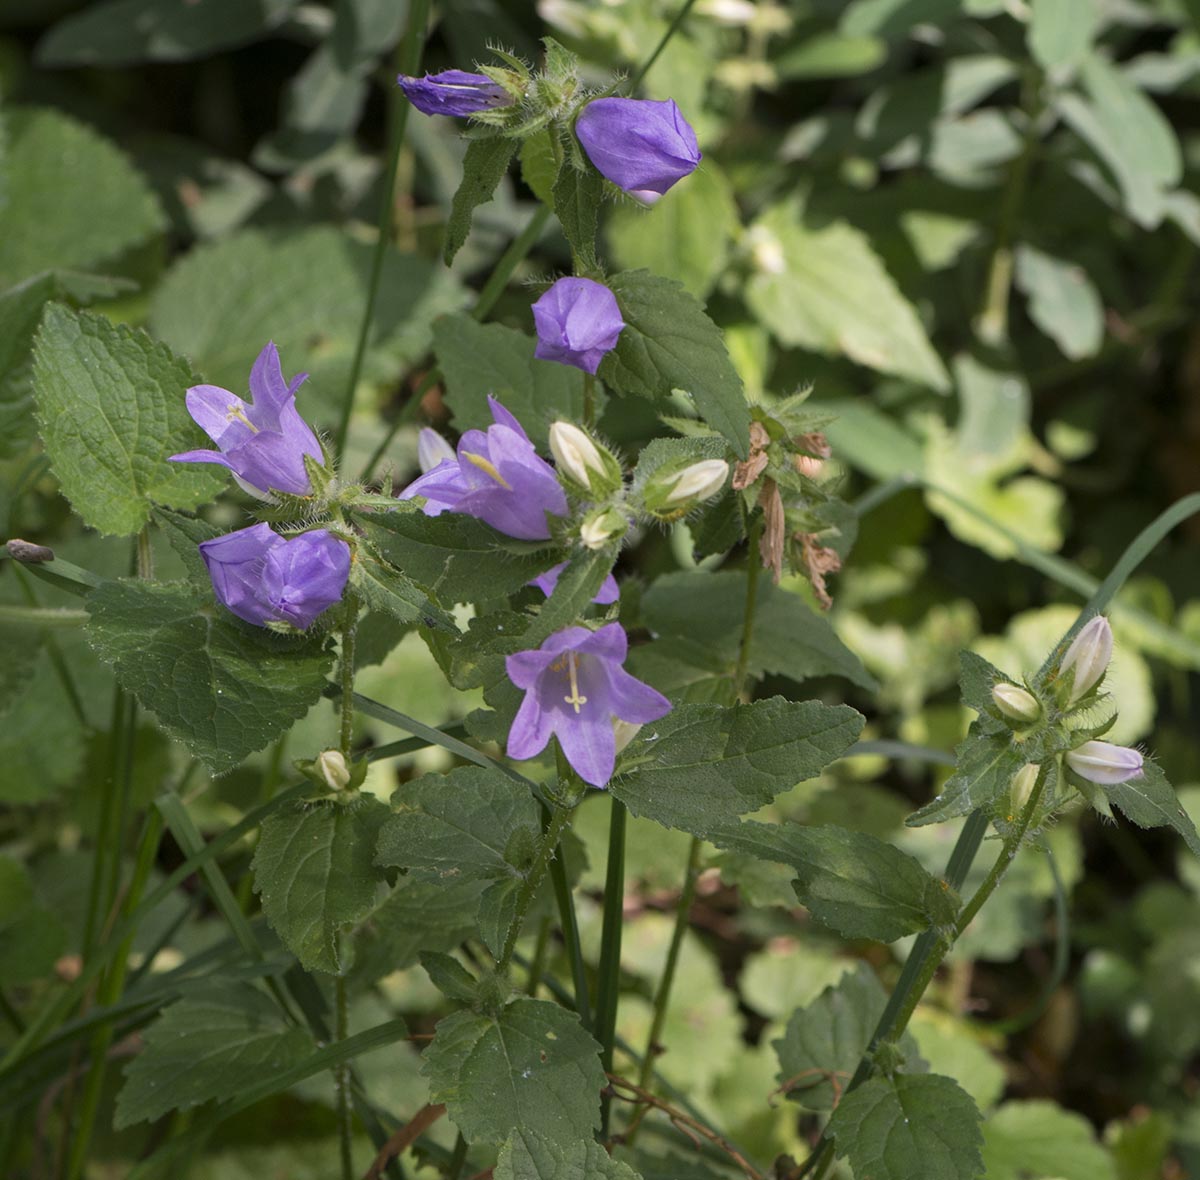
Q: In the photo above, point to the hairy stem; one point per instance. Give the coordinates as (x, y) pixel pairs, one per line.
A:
(349, 633)
(341, 1083)
(610, 948)
(672, 29)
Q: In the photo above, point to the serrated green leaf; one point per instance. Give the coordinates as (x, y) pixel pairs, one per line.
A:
(1150, 802)
(669, 343)
(122, 32)
(484, 166)
(1039, 1138)
(686, 236)
(303, 289)
(383, 587)
(909, 1125)
(813, 286)
(48, 152)
(222, 688)
(539, 166)
(824, 1042)
(214, 1043)
(458, 557)
(529, 1156)
(111, 406)
(458, 826)
(698, 618)
(853, 882)
(983, 775)
(576, 194)
(702, 766)
(531, 1067)
(482, 359)
(314, 868)
(1063, 303)
(976, 678)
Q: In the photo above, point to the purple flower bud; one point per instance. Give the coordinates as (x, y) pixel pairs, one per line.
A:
(263, 443)
(264, 579)
(605, 596)
(1104, 763)
(453, 92)
(497, 477)
(578, 322)
(640, 145)
(575, 686)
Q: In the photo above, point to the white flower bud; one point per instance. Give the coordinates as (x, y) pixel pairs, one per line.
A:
(1016, 703)
(575, 453)
(331, 766)
(698, 481)
(1104, 763)
(602, 527)
(1088, 656)
(432, 449)
(1022, 786)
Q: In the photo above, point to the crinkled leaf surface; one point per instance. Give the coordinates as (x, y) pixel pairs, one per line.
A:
(909, 1125)
(213, 1043)
(701, 766)
(1150, 802)
(983, 775)
(531, 1067)
(111, 405)
(529, 1156)
(384, 587)
(222, 688)
(315, 870)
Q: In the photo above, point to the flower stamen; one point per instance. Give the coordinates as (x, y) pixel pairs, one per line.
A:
(575, 700)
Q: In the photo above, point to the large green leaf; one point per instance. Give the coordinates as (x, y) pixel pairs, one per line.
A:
(484, 166)
(123, 32)
(824, 1042)
(305, 290)
(1039, 1138)
(214, 1043)
(531, 1067)
(314, 868)
(384, 588)
(528, 1156)
(221, 687)
(482, 359)
(825, 289)
(1150, 802)
(853, 882)
(111, 406)
(702, 766)
(669, 343)
(909, 1125)
(576, 195)
(73, 199)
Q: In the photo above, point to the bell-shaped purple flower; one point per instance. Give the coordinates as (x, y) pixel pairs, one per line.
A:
(575, 687)
(498, 477)
(605, 596)
(640, 145)
(453, 92)
(263, 578)
(262, 442)
(578, 322)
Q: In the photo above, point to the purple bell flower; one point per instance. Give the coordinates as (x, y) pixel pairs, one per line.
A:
(453, 92)
(263, 578)
(640, 145)
(575, 687)
(498, 477)
(578, 322)
(263, 443)
(605, 596)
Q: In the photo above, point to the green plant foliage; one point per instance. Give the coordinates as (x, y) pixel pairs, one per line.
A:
(314, 869)
(529, 1156)
(1149, 801)
(576, 197)
(1062, 302)
(31, 936)
(212, 1044)
(1041, 1139)
(531, 1067)
(386, 589)
(484, 166)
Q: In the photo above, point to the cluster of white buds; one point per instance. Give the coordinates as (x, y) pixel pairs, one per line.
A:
(583, 463)
(674, 490)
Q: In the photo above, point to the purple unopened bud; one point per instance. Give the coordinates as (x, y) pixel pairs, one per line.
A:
(263, 442)
(453, 92)
(578, 322)
(264, 579)
(640, 145)
(1104, 763)
(1088, 656)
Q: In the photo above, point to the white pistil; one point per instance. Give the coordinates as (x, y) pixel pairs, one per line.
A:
(237, 414)
(488, 468)
(574, 699)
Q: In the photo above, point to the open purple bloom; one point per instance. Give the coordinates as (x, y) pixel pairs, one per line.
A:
(264, 442)
(575, 686)
(640, 145)
(578, 322)
(606, 596)
(453, 92)
(496, 476)
(263, 578)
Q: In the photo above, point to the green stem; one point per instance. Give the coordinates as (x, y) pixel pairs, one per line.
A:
(560, 819)
(341, 1082)
(570, 930)
(672, 29)
(11, 1014)
(54, 652)
(408, 61)
(42, 616)
(349, 634)
(610, 949)
(458, 1158)
(538, 963)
